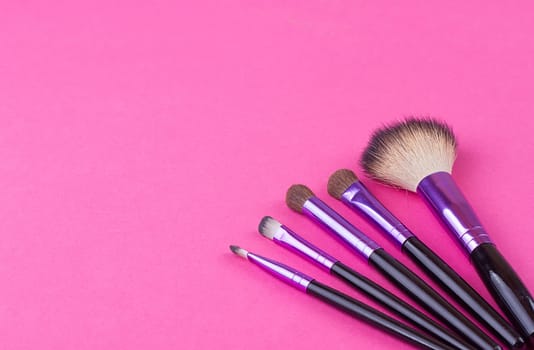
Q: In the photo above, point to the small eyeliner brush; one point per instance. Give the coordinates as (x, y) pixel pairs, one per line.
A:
(341, 301)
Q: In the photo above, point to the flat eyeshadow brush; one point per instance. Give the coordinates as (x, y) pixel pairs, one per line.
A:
(418, 155)
(302, 200)
(285, 237)
(345, 186)
(341, 301)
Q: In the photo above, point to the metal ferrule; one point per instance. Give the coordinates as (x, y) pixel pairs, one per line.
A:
(450, 205)
(358, 197)
(285, 237)
(284, 273)
(354, 238)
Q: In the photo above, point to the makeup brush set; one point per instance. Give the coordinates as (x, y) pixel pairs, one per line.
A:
(416, 155)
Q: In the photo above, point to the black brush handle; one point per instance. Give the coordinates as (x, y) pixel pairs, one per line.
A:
(461, 291)
(397, 305)
(374, 317)
(506, 287)
(428, 298)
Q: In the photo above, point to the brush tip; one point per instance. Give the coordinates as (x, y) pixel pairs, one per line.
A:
(239, 251)
(297, 195)
(268, 226)
(340, 181)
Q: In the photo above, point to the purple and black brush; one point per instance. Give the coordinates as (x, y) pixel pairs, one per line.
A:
(418, 155)
(341, 301)
(345, 186)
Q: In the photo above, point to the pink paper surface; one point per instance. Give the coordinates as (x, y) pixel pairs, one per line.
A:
(139, 139)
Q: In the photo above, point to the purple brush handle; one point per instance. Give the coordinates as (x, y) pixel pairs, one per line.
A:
(449, 204)
(283, 272)
(285, 237)
(513, 297)
(357, 240)
(358, 197)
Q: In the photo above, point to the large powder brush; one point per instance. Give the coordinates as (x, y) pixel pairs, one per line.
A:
(418, 155)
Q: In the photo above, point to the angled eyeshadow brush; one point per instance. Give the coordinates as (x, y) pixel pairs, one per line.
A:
(345, 186)
(418, 155)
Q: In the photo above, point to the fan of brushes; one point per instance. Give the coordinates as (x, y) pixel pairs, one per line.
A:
(418, 155)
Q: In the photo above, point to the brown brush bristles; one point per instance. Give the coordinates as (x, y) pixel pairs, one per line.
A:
(340, 181)
(297, 195)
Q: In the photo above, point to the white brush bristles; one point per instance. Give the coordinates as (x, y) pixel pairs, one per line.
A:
(269, 226)
(404, 153)
(239, 251)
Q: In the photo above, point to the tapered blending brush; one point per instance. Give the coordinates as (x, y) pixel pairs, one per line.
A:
(345, 186)
(341, 301)
(285, 237)
(302, 200)
(418, 155)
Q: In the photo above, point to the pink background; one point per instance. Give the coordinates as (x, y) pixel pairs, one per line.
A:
(138, 140)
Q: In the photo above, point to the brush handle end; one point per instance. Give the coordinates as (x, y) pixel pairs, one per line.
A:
(373, 317)
(461, 291)
(428, 298)
(506, 288)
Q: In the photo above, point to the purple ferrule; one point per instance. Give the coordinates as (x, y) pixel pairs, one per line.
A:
(358, 197)
(284, 273)
(450, 205)
(354, 238)
(285, 237)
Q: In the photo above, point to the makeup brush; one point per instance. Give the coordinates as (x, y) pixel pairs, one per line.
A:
(285, 237)
(418, 155)
(345, 186)
(341, 301)
(302, 200)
